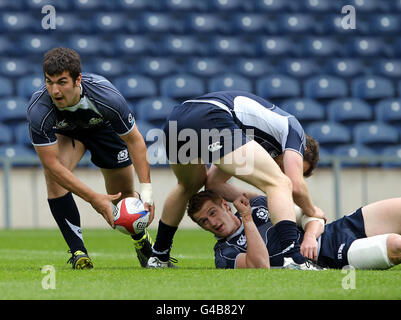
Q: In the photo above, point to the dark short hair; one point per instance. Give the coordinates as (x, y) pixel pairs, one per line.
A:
(197, 201)
(58, 60)
(311, 155)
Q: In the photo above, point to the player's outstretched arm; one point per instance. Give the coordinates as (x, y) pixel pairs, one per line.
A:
(138, 153)
(256, 255)
(293, 168)
(48, 156)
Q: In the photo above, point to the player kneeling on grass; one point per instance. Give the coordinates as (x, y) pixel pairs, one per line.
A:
(369, 238)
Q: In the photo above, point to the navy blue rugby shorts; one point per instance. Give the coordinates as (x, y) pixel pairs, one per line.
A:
(107, 149)
(337, 239)
(201, 130)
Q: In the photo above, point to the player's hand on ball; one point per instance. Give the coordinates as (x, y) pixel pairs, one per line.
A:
(151, 209)
(101, 203)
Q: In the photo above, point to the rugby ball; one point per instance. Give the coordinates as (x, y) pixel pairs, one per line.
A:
(130, 216)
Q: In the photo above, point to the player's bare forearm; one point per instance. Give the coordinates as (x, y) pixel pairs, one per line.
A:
(257, 255)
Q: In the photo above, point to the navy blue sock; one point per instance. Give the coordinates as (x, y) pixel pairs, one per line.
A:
(164, 241)
(288, 235)
(66, 214)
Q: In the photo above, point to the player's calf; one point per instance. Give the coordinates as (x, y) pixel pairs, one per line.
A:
(394, 248)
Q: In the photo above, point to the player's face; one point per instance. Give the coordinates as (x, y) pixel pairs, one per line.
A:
(217, 219)
(63, 90)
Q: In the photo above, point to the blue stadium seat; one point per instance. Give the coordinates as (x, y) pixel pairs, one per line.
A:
(229, 46)
(299, 68)
(323, 153)
(181, 86)
(376, 135)
(109, 22)
(274, 46)
(157, 66)
(6, 87)
(332, 25)
(278, 86)
(349, 111)
(21, 134)
(12, 68)
(68, 22)
(366, 47)
(204, 23)
(392, 151)
(27, 85)
(13, 109)
(248, 23)
(177, 45)
(154, 22)
(17, 22)
(7, 47)
(155, 110)
(295, 23)
(109, 67)
(345, 68)
(325, 87)
(320, 47)
(135, 86)
(92, 5)
(355, 151)
(329, 134)
(185, 5)
(226, 5)
(204, 67)
(132, 5)
(229, 81)
(252, 67)
(389, 111)
(389, 68)
(272, 5)
(384, 24)
(365, 6)
(304, 109)
(372, 87)
(133, 45)
(6, 5)
(318, 6)
(34, 44)
(86, 44)
(6, 135)
(16, 151)
(37, 5)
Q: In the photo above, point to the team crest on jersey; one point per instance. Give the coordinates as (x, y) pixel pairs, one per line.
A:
(130, 118)
(262, 213)
(241, 240)
(123, 155)
(62, 124)
(95, 121)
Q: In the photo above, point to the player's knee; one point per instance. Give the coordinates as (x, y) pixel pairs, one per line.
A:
(394, 247)
(281, 182)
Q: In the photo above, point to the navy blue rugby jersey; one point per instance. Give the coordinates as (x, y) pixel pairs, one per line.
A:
(101, 105)
(227, 250)
(275, 129)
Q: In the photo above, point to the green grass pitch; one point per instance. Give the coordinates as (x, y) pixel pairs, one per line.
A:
(118, 276)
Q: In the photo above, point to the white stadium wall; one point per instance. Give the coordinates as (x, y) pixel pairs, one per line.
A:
(29, 209)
